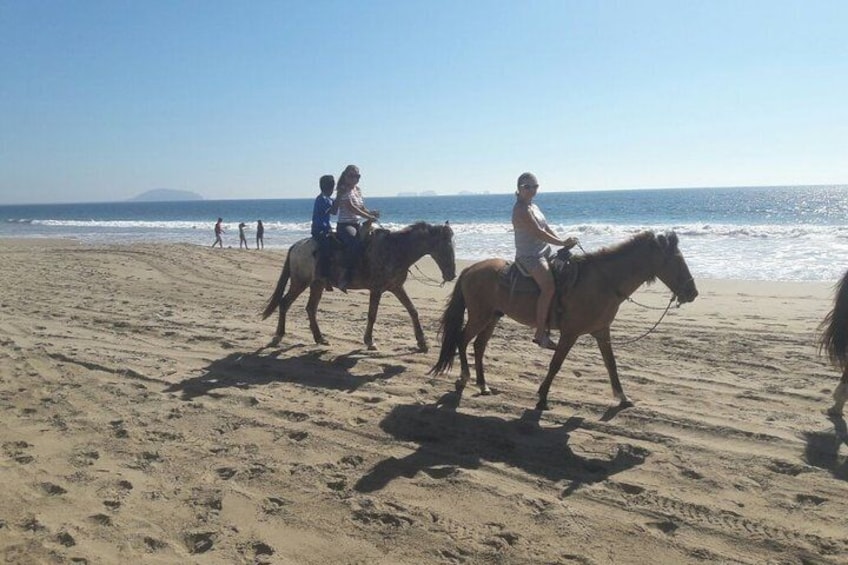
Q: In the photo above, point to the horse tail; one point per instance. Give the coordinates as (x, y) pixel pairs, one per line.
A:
(834, 327)
(277, 298)
(450, 330)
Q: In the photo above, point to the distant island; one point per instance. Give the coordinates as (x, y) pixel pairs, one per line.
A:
(411, 194)
(166, 195)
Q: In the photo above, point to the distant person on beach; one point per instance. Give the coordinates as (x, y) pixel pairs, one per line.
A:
(219, 230)
(242, 238)
(350, 207)
(260, 235)
(321, 230)
(533, 238)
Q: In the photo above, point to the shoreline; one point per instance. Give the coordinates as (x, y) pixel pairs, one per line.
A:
(145, 417)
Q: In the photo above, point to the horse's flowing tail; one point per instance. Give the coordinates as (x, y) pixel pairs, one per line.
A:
(834, 327)
(450, 330)
(277, 298)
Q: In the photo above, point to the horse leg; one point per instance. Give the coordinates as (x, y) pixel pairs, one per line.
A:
(604, 344)
(472, 328)
(373, 304)
(295, 290)
(840, 395)
(479, 349)
(566, 342)
(316, 291)
(404, 299)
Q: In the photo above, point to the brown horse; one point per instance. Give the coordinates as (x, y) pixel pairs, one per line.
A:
(605, 279)
(383, 267)
(834, 340)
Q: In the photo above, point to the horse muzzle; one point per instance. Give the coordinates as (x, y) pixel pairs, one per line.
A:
(688, 294)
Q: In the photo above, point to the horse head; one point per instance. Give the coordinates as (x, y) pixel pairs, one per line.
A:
(442, 250)
(673, 270)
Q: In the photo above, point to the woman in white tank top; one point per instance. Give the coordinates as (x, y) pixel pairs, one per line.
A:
(533, 238)
(350, 208)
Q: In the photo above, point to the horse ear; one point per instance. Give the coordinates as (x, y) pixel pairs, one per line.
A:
(661, 240)
(672, 239)
(447, 222)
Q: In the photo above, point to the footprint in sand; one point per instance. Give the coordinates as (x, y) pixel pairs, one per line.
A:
(16, 450)
(66, 539)
(810, 499)
(102, 519)
(262, 552)
(112, 504)
(199, 542)
(154, 544)
(52, 490)
(665, 526)
(226, 473)
(298, 436)
(274, 505)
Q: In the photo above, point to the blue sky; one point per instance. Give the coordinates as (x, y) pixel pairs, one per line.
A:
(101, 101)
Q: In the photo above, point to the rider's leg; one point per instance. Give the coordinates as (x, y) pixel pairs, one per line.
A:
(543, 277)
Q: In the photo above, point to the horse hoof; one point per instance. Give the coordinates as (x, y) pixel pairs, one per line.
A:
(542, 406)
(423, 348)
(275, 341)
(372, 347)
(460, 386)
(625, 404)
(485, 391)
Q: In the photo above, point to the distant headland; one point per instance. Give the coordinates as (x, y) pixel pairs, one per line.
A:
(166, 195)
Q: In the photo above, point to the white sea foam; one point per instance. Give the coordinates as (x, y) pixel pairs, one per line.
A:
(713, 250)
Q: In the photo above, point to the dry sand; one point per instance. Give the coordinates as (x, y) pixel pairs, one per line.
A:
(145, 420)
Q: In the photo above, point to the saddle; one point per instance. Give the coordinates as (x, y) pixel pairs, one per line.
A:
(518, 281)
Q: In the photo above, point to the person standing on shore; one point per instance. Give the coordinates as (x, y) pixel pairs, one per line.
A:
(350, 207)
(242, 238)
(219, 230)
(533, 238)
(321, 230)
(260, 235)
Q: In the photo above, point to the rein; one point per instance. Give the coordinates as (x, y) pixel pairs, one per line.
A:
(425, 279)
(635, 339)
(628, 299)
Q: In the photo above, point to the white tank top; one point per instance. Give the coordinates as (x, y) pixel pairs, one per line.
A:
(346, 212)
(526, 242)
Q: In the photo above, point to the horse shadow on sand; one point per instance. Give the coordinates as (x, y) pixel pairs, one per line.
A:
(449, 440)
(822, 449)
(316, 369)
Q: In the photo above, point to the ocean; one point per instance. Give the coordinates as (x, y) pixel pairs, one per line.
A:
(750, 233)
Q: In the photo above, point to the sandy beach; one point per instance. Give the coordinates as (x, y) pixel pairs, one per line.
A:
(146, 419)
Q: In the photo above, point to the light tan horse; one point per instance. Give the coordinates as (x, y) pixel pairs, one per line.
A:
(384, 267)
(605, 279)
(834, 340)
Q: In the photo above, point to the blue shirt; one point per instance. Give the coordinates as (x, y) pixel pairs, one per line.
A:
(321, 216)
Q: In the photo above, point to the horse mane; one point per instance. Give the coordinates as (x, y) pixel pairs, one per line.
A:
(618, 249)
(418, 228)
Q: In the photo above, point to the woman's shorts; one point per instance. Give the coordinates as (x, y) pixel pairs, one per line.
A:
(529, 263)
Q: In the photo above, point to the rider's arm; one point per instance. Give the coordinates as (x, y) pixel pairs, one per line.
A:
(363, 211)
(522, 217)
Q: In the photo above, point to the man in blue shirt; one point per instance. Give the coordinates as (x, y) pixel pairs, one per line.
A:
(321, 230)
